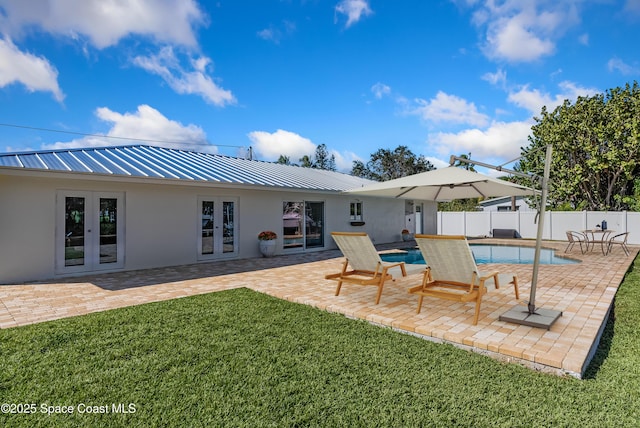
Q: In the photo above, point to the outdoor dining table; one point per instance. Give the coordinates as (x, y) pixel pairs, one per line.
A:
(598, 236)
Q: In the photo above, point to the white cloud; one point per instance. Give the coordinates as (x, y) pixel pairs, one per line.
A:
(632, 6)
(106, 23)
(510, 39)
(437, 162)
(166, 65)
(519, 31)
(276, 34)
(354, 10)
(500, 140)
(380, 90)
(616, 64)
(499, 78)
(533, 99)
(34, 72)
(344, 160)
(269, 34)
(146, 123)
(450, 109)
(583, 39)
(271, 145)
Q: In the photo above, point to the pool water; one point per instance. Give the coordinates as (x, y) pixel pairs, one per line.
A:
(488, 253)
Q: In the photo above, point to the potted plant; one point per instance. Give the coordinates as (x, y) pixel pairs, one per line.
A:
(267, 240)
(406, 235)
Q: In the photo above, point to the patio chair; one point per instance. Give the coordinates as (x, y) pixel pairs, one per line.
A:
(577, 238)
(367, 268)
(619, 239)
(452, 273)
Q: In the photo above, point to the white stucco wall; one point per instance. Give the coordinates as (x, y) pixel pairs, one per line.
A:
(161, 220)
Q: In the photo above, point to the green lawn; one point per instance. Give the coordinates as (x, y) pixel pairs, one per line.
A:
(240, 358)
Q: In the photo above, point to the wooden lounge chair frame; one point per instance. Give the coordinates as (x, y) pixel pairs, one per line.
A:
(452, 273)
(367, 268)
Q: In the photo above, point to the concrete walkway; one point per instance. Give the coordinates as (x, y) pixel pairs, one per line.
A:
(584, 292)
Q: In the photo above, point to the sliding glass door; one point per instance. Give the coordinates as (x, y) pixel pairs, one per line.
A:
(303, 224)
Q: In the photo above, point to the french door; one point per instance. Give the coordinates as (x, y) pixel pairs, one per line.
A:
(217, 227)
(89, 231)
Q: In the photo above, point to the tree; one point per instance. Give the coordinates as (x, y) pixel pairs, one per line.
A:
(320, 160)
(470, 204)
(387, 165)
(306, 161)
(596, 151)
(466, 165)
(284, 160)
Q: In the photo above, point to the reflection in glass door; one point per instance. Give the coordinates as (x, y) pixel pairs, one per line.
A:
(303, 224)
(89, 232)
(108, 230)
(207, 227)
(314, 230)
(228, 230)
(74, 231)
(217, 229)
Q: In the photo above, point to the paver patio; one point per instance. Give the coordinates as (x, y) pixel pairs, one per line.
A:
(584, 293)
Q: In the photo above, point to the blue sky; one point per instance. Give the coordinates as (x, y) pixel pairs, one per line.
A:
(442, 77)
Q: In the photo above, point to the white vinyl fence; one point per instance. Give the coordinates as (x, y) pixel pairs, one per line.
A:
(556, 223)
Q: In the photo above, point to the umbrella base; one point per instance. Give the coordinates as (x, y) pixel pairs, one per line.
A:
(541, 318)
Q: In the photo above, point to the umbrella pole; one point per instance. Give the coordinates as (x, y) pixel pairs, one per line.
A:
(536, 317)
(543, 207)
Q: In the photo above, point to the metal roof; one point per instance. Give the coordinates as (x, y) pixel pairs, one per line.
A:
(143, 161)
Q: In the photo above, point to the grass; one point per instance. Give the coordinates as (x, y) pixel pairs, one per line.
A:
(240, 358)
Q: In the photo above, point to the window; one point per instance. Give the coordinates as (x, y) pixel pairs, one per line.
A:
(355, 211)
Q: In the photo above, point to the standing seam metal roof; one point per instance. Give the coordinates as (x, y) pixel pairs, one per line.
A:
(165, 163)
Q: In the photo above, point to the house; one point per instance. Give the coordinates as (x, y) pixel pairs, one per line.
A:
(505, 204)
(79, 211)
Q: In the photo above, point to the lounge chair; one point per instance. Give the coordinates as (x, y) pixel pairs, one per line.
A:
(367, 268)
(452, 273)
(577, 238)
(619, 239)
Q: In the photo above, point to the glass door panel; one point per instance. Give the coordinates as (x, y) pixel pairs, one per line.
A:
(216, 228)
(74, 231)
(292, 224)
(108, 230)
(314, 228)
(228, 231)
(207, 227)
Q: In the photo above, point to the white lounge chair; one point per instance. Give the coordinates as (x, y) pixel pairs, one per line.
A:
(367, 268)
(452, 273)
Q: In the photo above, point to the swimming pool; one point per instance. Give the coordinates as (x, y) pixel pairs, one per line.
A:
(488, 253)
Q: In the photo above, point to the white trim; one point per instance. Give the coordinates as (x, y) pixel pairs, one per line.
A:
(91, 231)
(218, 250)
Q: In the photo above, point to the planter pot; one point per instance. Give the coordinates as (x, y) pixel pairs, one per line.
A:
(407, 237)
(268, 248)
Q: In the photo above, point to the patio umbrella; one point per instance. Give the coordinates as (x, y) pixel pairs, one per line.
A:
(443, 184)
